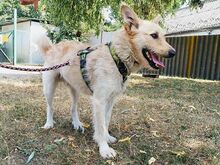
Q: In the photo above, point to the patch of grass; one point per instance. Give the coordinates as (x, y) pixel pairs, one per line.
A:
(176, 121)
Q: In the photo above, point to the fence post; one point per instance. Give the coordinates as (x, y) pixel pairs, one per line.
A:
(15, 36)
(190, 57)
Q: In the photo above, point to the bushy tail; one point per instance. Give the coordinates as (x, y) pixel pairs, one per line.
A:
(44, 44)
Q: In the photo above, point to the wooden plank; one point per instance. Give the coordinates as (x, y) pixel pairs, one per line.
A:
(164, 71)
(209, 57)
(169, 66)
(178, 50)
(204, 57)
(214, 57)
(175, 58)
(185, 64)
(182, 56)
(172, 59)
(190, 56)
(165, 60)
(200, 51)
(217, 68)
(195, 55)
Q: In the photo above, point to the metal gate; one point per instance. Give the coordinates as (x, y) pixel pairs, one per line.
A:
(7, 47)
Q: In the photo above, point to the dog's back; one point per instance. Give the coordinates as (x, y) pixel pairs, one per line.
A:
(59, 50)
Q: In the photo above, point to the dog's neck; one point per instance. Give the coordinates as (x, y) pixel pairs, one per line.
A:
(124, 50)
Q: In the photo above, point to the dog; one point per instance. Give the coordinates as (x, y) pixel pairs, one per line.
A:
(138, 44)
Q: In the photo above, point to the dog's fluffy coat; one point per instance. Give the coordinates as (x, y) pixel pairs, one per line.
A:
(106, 81)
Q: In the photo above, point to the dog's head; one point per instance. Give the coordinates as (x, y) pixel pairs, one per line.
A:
(146, 39)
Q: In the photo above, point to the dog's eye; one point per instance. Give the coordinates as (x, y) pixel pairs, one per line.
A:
(154, 35)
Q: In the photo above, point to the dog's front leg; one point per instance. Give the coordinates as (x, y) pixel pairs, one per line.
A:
(108, 114)
(101, 131)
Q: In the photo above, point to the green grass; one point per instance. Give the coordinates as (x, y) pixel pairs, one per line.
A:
(176, 121)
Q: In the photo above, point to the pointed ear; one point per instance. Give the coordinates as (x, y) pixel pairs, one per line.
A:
(129, 16)
(157, 19)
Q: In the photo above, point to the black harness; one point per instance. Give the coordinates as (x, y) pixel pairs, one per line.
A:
(83, 54)
(120, 65)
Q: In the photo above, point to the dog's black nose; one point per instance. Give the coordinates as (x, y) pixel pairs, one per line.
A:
(171, 53)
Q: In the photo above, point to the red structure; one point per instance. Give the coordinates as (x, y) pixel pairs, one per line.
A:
(28, 2)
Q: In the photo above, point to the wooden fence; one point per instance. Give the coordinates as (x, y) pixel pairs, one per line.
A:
(196, 57)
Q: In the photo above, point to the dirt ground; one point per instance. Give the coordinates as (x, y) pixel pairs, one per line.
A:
(159, 121)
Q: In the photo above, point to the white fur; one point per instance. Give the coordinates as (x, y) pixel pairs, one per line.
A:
(106, 81)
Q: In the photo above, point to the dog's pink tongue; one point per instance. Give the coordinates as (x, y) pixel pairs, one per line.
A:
(155, 59)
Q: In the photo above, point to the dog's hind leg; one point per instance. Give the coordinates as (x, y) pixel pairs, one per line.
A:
(108, 113)
(49, 86)
(77, 125)
(101, 132)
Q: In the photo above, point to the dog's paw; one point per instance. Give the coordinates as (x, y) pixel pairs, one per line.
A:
(111, 139)
(107, 152)
(78, 126)
(48, 125)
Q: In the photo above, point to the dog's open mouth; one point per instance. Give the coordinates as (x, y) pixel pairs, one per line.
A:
(153, 59)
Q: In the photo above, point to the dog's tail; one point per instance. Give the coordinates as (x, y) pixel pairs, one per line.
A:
(44, 44)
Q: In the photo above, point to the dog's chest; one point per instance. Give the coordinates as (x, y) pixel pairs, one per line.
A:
(102, 72)
(108, 79)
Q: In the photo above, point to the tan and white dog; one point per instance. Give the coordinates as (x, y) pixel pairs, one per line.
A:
(139, 44)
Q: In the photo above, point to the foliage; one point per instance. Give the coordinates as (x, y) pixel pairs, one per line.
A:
(85, 15)
(73, 17)
(61, 33)
(7, 8)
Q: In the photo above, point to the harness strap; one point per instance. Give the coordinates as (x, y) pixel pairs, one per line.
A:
(120, 65)
(83, 54)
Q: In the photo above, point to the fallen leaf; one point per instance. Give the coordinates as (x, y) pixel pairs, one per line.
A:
(178, 153)
(70, 139)
(151, 160)
(124, 127)
(151, 119)
(192, 107)
(110, 162)
(72, 145)
(143, 152)
(88, 150)
(125, 139)
(30, 157)
(58, 141)
(85, 125)
(155, 133)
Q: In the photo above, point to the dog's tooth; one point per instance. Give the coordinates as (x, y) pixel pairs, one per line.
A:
(148, 55)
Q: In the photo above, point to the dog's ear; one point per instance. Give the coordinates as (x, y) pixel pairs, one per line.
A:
(157, 19)
(129, 16)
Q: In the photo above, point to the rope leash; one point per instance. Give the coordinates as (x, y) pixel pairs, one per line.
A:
(35, 69)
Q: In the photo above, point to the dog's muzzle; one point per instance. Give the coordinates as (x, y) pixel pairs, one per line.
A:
(171, 53)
